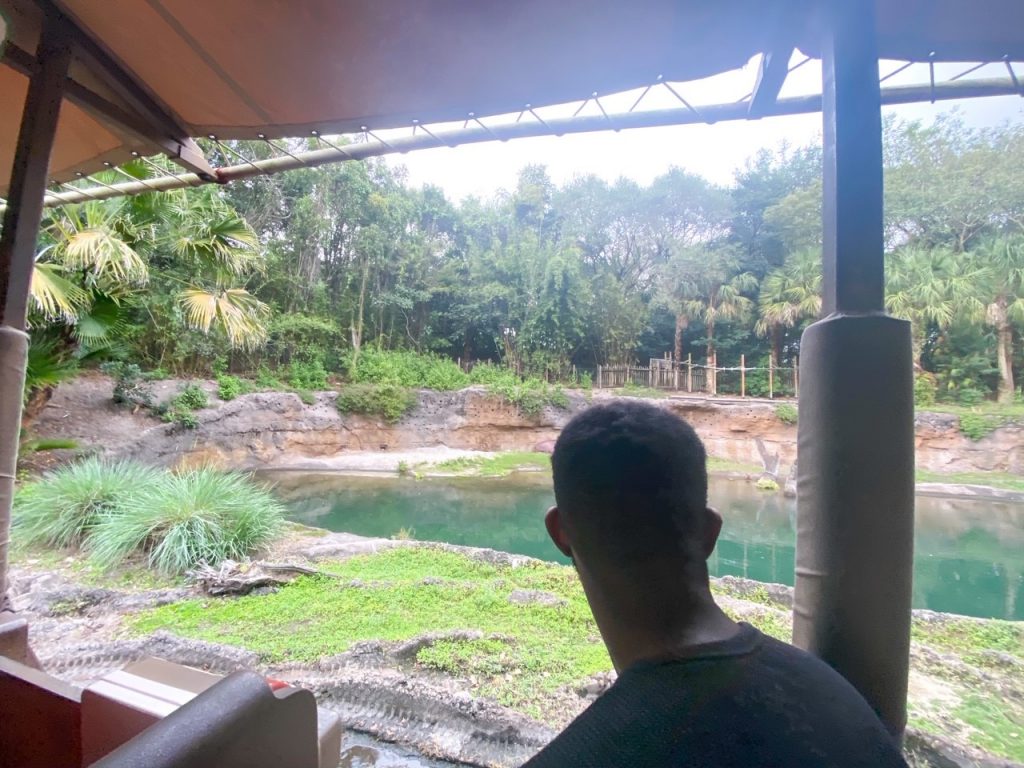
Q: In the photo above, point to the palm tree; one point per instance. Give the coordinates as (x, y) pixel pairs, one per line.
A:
(706, 286)
(1002, 292)
(789, 295)
(100, 253)
(931, 288)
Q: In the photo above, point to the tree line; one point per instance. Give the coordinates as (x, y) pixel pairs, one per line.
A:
(314, 266)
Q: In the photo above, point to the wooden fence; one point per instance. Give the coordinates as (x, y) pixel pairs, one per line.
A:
(711, 379)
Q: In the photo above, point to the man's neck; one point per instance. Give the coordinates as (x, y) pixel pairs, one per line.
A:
(637, 632)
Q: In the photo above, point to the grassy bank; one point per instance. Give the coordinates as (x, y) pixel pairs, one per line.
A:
(1002, 480)
(504, 464)
(536, 639)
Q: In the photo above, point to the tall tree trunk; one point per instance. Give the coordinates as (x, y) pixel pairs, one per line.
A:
(776, 344)
(712, 359)
(1004, 354)
(356, 327)
(682, 323)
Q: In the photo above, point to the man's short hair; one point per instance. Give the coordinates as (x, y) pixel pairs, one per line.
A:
(631, 481)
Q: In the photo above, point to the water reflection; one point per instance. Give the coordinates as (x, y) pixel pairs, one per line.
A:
(969, 554)
(360, 751)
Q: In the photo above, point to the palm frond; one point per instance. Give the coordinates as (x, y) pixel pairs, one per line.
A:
(100, 323)
(236, 311)
(105, 255)
(54, 296)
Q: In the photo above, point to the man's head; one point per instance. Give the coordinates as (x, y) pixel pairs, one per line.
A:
(631, 493)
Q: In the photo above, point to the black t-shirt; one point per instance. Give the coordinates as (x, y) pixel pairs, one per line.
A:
(748, 702)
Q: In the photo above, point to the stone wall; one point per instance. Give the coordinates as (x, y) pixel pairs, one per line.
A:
(264, 429)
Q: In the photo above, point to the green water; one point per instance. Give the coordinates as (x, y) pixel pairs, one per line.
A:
(969, 555)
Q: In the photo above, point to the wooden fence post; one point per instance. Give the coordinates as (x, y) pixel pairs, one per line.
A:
(796, 377)
(598, 376)
(711, 378)
(689, 373)
(743, 375)
(771, 382)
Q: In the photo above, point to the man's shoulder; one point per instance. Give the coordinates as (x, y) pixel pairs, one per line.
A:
(775, 699)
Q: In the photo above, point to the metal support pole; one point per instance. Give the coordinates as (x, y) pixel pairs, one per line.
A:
(771, 380)
(743, 375)
(855, 484)
(17, 254)
(689, 372)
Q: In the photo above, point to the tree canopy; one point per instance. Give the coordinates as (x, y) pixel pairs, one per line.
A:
(316, 265)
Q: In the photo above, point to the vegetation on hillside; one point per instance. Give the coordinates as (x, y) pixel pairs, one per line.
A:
(307, 276)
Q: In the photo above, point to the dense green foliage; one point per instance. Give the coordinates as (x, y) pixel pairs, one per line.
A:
(345, 271)
(787, 413)
(187, 518)
(389, 401)
(63, 508)
(117, 510)
(229, 387)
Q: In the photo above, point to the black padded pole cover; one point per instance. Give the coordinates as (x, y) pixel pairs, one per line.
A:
(855, 504)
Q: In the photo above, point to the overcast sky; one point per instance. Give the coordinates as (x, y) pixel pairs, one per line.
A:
(714, 151)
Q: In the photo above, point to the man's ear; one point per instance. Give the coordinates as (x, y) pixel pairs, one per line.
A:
(553, 522)
(712, 529)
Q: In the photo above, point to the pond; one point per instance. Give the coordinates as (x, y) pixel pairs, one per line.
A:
(969, 554)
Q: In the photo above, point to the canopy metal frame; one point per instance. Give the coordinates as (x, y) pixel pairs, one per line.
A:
(762, 102)
(855, 503)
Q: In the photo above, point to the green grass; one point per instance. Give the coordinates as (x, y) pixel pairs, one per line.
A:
(727, 465)
(650, 393)
(404, 593)
(188, 518)
(1012, 411)
(991, 479)
(997, 726)
(979, 421)
(64, 507)
(497, 466)
(966, 636)
(523, 656)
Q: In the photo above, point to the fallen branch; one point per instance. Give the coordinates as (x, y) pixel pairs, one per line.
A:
(233, 578)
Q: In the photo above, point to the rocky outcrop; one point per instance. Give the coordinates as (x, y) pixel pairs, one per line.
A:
(276, 428)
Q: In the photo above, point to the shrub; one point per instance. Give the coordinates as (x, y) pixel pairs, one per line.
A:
(387, 400)
(969, 396)
(407, 369)
(230, 387)
(766, 484)
(978, 425)
(184, 519)
(62, 508)
(787, 413)
(192, 397)
(307, 397)
(267, 379)
(309, 375)
(924, 390)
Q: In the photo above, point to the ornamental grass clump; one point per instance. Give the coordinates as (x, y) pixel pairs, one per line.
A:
(63, 508)
(187, 518)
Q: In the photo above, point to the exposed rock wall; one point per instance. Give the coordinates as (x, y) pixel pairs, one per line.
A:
(271, 428)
